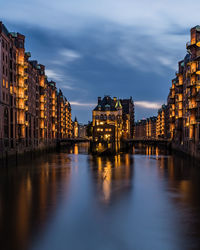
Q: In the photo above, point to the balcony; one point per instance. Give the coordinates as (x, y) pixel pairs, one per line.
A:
(42, 108)
(20, 75)
(193, 122)
(26, 65)
(20, 106)
(21, 122)
(42, 99)
(190, 44)
(25, 76)
(20, 96)
(192, 94)
(192, 106)
(193, 84)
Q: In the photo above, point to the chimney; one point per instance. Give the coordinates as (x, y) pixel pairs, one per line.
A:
(99, 100)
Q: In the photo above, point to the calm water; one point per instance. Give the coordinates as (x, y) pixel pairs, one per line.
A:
(71, 200)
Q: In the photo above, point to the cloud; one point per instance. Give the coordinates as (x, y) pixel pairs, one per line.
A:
(67, 87)
(82, 104)
(69, 55)
(53, 75)
(93, 50)
(148, 105)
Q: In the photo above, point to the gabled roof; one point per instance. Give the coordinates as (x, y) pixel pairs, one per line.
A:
(107, 103)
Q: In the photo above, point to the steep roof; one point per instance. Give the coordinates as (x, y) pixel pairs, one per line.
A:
(107, 103)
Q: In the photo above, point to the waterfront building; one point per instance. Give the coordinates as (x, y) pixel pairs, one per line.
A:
(162, 122)
(75, 128)
(146, 128)
(184, 106)
(82, 130)
(128, 117)
(183, 99)
(8, 89)
(32, 113)
(107, 120)
(140, 129)
(151, 127)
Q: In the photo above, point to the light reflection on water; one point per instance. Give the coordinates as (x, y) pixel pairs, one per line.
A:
(146, 199)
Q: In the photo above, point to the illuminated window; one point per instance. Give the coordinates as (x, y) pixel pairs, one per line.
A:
(4, 83)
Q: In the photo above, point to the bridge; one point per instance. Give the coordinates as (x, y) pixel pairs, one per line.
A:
(71, 141)
(149, 141)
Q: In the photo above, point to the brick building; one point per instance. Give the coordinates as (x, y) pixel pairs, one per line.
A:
(32, 113)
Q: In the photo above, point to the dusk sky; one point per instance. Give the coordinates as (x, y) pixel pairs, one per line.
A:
(91, 48)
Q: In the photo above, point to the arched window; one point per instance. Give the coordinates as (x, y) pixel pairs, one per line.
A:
(101, 117)
(105, 117)
(110, 117)
(6, 123)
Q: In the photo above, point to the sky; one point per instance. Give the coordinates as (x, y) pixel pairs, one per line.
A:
(94, 48)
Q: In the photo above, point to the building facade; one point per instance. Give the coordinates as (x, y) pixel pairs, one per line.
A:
(32, 112)
(128, 117)
(107, 121)
(145, 128)
(183, 99)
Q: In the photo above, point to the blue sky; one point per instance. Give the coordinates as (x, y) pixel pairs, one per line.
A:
(119, 47)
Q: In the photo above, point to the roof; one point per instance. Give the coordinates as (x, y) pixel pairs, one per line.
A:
(107, 103)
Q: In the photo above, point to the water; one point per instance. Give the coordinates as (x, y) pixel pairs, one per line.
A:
(143, 200)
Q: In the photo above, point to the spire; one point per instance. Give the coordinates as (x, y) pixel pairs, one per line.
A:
(118, 104)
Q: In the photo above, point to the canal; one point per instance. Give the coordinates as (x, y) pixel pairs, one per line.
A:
(142, 200)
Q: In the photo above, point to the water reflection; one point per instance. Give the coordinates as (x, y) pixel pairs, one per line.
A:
(28, 194)
(144, 199)
(112, 175)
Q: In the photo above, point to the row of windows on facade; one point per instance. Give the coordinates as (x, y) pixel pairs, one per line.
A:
(109, 117)
(12, 76)
(5, 97)
(4, 44)
(107, 129)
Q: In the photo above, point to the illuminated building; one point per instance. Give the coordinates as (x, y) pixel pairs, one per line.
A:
(151, 127)
(171, 104)
(64, 122)
(53, 110)
(32, 110)
(21, 86)
(31, 115)
(128, 117)
(183, 99)
(140, 129)
(8, 89)
(161, 122)
(42, 108)
(145, 128)
(75, 128)
(107, 120)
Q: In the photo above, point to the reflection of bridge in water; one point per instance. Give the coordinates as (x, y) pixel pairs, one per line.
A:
(101, 148)
(149, 141)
